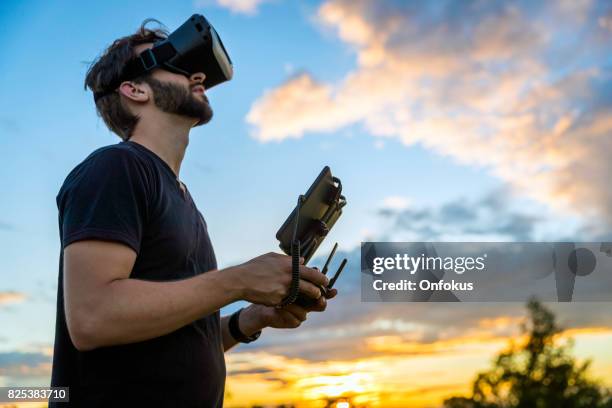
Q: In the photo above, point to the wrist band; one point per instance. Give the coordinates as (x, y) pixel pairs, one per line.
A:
(235, 331)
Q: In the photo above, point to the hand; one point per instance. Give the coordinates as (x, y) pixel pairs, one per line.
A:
(287, 317)
(266, 279)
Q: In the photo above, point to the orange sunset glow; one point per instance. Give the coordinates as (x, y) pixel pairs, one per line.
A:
(405, 374)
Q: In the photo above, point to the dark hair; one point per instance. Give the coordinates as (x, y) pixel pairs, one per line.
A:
(107, 68)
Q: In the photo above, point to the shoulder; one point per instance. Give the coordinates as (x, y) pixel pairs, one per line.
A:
(116, 154)
(116, 162)
(113, 160)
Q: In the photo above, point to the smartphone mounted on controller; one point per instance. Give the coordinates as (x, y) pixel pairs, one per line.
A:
(314, 215)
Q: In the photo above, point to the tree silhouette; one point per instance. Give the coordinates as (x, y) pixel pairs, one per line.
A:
(542, 373)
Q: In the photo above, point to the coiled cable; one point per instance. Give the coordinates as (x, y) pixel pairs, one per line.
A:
(294, 287)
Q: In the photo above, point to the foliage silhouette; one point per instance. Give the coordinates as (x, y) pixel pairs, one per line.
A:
(541, 373)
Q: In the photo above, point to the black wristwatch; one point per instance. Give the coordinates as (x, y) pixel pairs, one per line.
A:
(238, 335)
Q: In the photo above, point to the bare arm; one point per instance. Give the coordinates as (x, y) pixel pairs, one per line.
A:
(105, 307)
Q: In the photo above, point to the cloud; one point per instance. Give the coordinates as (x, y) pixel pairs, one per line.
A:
(301, 92)
(487, 218)
(249, 371)
(8, 297)
(396, 202)
(248, 7)
(24, 364)
(521, 89)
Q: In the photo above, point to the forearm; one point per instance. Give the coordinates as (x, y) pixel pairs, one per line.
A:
(131, 310)
(249, 322)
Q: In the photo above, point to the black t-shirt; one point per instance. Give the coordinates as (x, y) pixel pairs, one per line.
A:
(126, 193)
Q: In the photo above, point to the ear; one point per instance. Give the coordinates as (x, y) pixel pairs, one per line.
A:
(135, 92)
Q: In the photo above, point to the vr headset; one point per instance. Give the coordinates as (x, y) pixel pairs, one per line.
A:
(194, 47)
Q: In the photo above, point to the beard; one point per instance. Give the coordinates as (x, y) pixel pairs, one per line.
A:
(173, 98)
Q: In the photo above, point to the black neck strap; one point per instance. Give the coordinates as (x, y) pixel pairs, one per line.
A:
(149, 59)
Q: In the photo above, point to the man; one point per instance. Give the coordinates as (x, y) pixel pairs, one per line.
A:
(139, 292)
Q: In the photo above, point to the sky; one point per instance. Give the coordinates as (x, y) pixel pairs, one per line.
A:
(425, 110)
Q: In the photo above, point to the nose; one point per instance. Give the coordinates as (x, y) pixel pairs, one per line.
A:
(197, 78)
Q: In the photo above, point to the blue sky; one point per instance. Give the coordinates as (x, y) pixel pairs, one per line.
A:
(512, 104)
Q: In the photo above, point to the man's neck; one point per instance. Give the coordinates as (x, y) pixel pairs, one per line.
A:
(167, 137)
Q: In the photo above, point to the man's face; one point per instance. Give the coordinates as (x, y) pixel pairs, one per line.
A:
(177, 94)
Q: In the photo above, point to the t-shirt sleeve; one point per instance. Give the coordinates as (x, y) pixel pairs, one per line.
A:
(105, 199)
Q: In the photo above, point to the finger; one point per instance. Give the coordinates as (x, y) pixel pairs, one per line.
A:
(313, 276)
(297, 311)
(331, 293)
(290, 321)
(319, 306)
(301, 260)
(309, 289)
